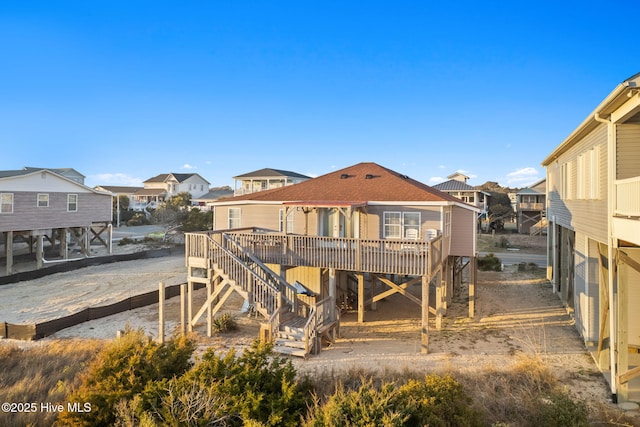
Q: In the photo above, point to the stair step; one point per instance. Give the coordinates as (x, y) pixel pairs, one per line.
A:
(289, 350)
(297, 336)
(292, 329)
(289, 343)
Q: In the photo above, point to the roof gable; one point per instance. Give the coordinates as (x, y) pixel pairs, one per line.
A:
(363, 182)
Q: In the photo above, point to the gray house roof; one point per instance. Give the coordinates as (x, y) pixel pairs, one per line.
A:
(271, 173)
(215, 194)
(454, 185)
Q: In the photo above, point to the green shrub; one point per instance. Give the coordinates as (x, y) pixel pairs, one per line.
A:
(122, 370)
(489, 263)
(126, 241)
(138, 219)
(255, 388)
(559, 410)
(435, 401)
(224, 323)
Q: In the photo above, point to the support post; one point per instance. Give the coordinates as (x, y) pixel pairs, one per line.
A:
(8, 243)
(183, 297)
(622, 348)
(39, 251)
(424, 332)
(63, 249)
(360, 297)
(332, 292)
(473, 266)
(189, 305)
(209, 315)
(439, 300)
(161, 313)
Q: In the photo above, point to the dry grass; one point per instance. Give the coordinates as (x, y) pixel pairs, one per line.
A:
(506, 396)
(40, 374)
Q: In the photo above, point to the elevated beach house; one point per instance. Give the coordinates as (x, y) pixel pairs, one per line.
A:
(593, 209)
(39, 204)
(166, 185)
(531, 208)
(353, 236)
(265, 179)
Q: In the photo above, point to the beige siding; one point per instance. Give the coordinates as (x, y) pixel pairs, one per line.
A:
(26, 215)
(463, 232)
(632, 281)
(590, 215)
(628, 151)
(429, 217)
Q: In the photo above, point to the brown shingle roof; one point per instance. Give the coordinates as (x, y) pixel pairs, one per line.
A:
(363, 182)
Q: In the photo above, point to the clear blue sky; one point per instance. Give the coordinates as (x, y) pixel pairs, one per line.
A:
(125, 90)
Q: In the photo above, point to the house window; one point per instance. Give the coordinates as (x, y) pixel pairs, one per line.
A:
(234, 218)
(6, 202)
(43, 200)
(72, 202)
(398, 225)
(588, 174)
(568, 180)
(447, 224)
(281, 221)
(392, 225)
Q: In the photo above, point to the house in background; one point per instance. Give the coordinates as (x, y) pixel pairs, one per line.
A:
(69, 173)
(265, 179)
(359, 234)
(164, 186)
(531, 208)
(593, 209)
(457, 187)
(205, 202)
(38, 204)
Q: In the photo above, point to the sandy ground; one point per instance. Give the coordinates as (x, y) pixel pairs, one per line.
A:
(516, 313)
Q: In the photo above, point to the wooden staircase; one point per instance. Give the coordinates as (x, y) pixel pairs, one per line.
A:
(292, 324)
(290, 338)
(539, 228)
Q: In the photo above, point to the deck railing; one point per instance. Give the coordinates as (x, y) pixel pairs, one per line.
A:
(408, 257)
(628, 197)
(531, 206)
(259, 290)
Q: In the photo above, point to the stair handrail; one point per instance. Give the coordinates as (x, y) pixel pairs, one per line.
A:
(288, 291)
(267, 287)
(310, 330)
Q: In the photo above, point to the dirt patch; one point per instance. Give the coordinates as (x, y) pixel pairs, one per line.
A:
(504, 241)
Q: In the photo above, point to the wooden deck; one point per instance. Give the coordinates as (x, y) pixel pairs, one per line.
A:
(404, 257)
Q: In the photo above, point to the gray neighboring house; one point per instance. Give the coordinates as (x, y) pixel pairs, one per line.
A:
(457, 187)
(38, 204)
(265, 179)
(204, 202)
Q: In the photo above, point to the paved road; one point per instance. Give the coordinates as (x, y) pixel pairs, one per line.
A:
(509, 258)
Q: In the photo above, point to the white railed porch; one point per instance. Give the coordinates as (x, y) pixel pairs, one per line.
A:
(628, 197)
